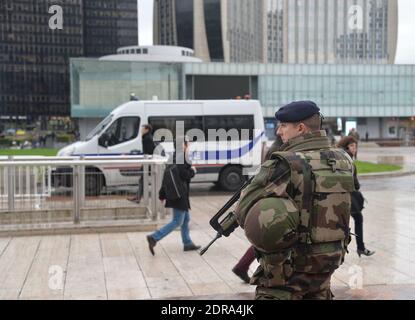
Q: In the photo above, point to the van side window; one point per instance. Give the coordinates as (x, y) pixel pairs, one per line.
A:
(169, 123)
(123, 130)
(270, 128)
(238, 122)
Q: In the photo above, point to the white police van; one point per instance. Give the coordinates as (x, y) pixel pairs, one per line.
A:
(228, 137)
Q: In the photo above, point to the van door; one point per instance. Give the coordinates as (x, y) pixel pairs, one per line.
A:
(121, 138)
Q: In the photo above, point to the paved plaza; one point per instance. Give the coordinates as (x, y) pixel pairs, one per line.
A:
(119, 265)
(104, 107)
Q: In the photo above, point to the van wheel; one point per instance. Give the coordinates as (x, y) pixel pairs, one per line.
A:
(231, 178)
(94, 182)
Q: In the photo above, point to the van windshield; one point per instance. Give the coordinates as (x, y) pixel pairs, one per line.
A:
(101, 126)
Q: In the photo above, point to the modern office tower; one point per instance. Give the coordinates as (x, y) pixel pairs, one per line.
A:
(34, 55)
(332, 31)
(218, 30)
(247, 30)
(275, 31)
(108, 25)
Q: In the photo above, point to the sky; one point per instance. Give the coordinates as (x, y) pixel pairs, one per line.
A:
(145, 21)
(406, 38)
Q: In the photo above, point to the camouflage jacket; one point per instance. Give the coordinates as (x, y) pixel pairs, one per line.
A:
(319, 183)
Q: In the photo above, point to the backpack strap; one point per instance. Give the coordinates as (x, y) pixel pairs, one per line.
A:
(301, 166)
(307, 201)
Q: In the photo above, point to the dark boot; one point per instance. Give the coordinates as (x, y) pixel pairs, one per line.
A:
(365, 252)
(151, 244)
(243, 275)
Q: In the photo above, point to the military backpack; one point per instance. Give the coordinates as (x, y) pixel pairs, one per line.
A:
(319, 183)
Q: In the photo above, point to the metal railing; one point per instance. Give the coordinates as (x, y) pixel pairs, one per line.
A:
(408, 139)
(63, 189)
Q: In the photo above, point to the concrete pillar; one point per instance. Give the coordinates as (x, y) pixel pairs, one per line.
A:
(199, 38)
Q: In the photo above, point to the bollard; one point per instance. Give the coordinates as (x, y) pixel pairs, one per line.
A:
(145, 176)
(160, 173)
(10, 185)
(76, 194)
(153, 193)
(27, 190)
(81, 184)
(157, 188)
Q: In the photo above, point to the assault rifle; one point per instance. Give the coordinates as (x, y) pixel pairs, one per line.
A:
(228, 224)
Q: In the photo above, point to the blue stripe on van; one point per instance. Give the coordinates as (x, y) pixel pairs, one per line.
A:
(105, 154)
(227, 154)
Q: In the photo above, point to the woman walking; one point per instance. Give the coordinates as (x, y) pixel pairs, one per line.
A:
(349, 144)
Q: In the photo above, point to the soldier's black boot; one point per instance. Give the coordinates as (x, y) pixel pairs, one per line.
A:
(191, 247)
(365, 252)
(243, 275)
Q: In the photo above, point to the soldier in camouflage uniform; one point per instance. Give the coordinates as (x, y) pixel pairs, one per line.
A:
(242, 267)
(296, 211)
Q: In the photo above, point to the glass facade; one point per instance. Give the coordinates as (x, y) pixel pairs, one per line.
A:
(100, 86)
(377, 97)
(246, 30)
(275, 30)
(220, 87)
(109, 25)
(34, 59)
(360, 91)
(184, 20)
(33, 78)
(164, 30)
(335, 31)
(340, 90)
(213, 26)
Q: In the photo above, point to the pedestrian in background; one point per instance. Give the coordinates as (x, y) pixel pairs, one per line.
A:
(349, 144)
(148, 150)
(353, 133)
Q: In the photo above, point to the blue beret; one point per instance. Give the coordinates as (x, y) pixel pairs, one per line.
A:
(297, 111)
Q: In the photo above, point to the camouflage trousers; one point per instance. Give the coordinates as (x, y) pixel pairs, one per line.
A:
(301, 286)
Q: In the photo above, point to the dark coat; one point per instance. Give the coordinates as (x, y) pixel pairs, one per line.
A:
(357, 197)
(186, 174)
(148, 144)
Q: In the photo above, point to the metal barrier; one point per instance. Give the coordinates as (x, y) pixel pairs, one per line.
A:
(55, 189)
